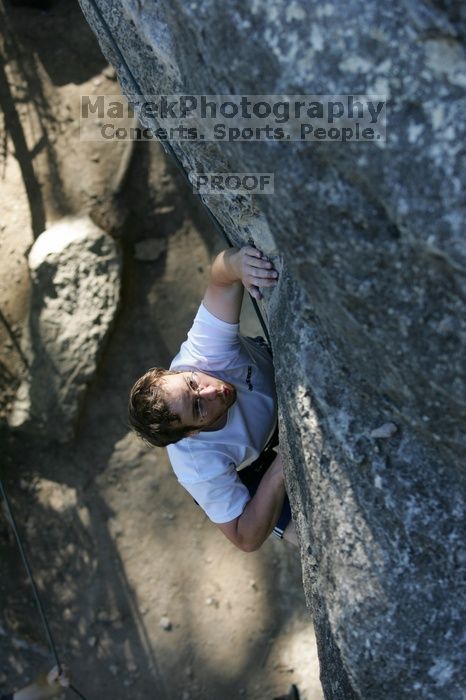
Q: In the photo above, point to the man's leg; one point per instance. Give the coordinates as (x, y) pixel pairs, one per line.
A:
(290, 534)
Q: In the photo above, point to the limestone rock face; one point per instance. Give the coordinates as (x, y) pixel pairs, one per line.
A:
(367, 322)
(75, 287)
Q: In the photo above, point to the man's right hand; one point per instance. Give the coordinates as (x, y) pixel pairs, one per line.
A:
(255, 270)
(232, 271)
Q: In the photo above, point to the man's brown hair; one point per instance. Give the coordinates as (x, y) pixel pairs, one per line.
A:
(149, 413)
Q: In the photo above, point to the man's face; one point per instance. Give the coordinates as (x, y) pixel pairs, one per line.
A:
(200, 400)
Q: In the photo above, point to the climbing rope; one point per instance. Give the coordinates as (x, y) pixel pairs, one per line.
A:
(27, 566)
(171, 152)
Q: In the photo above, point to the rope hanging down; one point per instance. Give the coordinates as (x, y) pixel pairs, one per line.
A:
(35, 591)
(171, 152)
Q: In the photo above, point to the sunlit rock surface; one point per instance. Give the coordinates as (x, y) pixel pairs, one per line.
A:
(367, 322)
(75, 272)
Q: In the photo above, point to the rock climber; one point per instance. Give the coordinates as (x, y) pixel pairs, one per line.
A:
(215, 409)
(46, 685)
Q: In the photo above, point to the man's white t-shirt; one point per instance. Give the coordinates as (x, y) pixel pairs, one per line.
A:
(206, 463)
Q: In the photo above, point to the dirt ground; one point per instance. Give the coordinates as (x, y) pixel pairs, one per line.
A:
(146, 599)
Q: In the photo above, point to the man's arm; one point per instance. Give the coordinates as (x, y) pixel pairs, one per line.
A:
(250, 530)
(232, 270)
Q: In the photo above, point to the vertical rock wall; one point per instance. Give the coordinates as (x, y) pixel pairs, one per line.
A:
(367, 322)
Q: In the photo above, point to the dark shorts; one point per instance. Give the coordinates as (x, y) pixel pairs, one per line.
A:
(251, 477)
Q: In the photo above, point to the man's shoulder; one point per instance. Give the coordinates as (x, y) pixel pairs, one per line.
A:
(194, 459)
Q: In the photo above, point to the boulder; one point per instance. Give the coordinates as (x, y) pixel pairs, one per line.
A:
(367, 322)
(75, 270)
